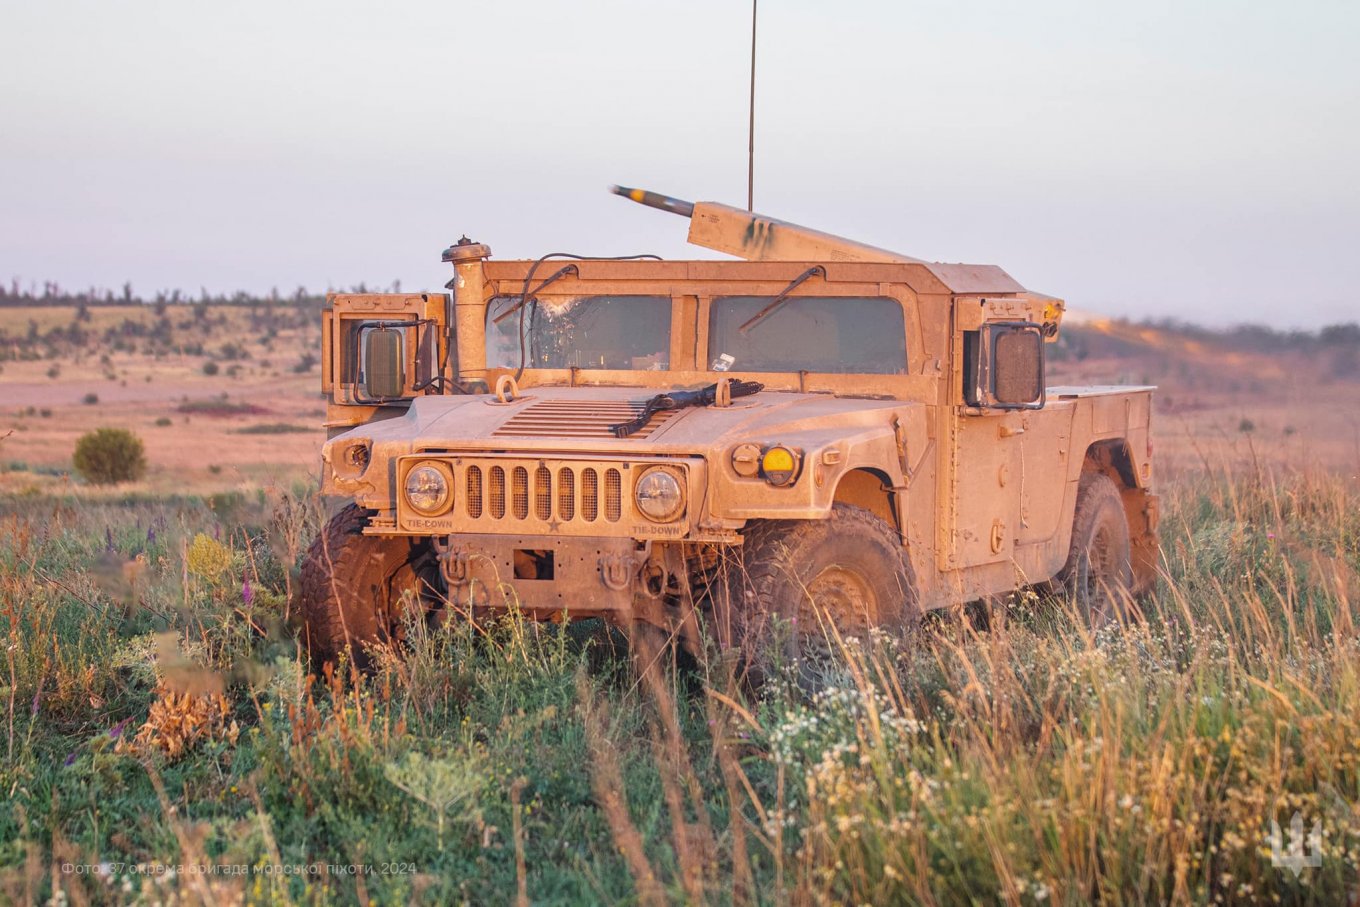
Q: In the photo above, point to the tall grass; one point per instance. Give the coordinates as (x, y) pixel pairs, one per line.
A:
(1035, 762)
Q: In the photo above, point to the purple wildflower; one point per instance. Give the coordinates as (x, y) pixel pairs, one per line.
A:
(150, 535)
(247, 593)
(117, 730)
(70, 759)
(108, 538)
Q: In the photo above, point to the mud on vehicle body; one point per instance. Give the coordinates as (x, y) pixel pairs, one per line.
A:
(873, 438)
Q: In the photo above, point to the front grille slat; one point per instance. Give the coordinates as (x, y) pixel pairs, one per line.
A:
(497, 493)
(474, 492)
(543, 493)
(566, 494)
(590, 494)
(613, 495)
(519, 492)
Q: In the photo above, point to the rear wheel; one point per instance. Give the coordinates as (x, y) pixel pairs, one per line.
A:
(800, 586)
(1099, 573)
(354, 588)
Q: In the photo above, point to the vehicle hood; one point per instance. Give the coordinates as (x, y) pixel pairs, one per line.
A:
(562, 419)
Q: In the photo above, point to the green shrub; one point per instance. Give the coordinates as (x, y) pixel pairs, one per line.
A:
(163, 422)
(210, 368)
(107, 456)
(90, 399)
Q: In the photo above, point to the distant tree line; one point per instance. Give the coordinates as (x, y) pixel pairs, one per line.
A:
(49, 292)
(1263, 339)
(1332, 351)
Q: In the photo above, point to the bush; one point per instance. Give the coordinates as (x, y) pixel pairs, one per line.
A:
(163, 421)
(107, 456)
(210, 368)
(90, 399)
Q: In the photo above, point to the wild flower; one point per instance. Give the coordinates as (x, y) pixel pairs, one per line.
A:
(207, 558)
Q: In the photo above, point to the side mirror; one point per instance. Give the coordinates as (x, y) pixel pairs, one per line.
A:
(1008, 371)
(384, 371)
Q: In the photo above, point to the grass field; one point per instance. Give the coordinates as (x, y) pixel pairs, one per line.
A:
(156, 714)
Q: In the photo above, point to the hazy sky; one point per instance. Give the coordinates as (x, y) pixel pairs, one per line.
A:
(1194, 159)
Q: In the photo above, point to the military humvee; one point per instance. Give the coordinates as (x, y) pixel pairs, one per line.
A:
(821, 431)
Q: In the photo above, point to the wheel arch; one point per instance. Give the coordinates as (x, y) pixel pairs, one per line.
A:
(870, 489)
(1114, 458)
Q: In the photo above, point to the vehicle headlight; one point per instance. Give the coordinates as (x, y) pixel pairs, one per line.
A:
(659, 496)
(427, 489)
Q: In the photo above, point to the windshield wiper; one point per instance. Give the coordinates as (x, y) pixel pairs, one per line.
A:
(679, 400)
(782, 298)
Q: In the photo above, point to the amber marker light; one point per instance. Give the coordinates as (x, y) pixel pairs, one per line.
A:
(779, 465)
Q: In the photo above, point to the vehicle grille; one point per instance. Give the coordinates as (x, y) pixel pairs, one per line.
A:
(579, 419)
(536, 496)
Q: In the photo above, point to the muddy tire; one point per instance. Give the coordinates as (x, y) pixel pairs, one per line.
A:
(353, 587)
(800, 585)
(1098, 575)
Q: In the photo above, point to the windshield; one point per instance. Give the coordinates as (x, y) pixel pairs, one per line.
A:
(589, 332)
(844, 334)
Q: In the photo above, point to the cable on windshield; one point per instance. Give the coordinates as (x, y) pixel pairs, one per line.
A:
(527, 300)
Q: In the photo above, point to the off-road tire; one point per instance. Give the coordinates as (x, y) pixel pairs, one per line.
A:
(1098, 575)
(352, 588)
(800, 585)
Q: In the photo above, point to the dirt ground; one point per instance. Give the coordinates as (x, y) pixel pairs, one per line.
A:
(48, 403)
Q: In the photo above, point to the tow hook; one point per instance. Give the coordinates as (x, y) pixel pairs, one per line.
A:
(453, 562)
(617, 570)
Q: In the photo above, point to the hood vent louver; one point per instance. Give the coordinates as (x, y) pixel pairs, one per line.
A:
(579, 419)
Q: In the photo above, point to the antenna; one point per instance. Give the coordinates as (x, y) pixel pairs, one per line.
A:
(751, 134)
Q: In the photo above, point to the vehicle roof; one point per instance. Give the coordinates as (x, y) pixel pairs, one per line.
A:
(921, 277)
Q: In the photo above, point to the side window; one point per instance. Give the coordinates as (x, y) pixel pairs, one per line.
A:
(838, 334)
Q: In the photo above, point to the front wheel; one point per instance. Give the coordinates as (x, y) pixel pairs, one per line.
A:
(354, 588)
(799, 587)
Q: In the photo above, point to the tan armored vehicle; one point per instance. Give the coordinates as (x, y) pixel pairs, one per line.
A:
(820, 433)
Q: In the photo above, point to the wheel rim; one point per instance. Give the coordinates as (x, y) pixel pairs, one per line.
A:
(843, 596)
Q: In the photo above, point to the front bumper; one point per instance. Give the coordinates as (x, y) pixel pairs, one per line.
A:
(544, 575)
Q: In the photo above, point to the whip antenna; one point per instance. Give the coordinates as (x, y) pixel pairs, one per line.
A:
(751, 133)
